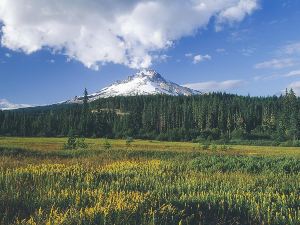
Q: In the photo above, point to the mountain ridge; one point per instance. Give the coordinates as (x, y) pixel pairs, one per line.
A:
(144, 82)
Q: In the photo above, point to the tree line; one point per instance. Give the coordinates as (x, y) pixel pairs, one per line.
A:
(214, 116)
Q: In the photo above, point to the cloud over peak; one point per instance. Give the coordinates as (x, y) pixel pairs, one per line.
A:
(96, 32)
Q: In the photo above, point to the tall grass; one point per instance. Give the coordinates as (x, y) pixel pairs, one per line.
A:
(147, 187)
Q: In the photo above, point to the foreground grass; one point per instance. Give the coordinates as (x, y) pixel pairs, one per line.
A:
(42, 184)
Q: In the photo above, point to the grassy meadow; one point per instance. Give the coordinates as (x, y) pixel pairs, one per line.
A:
(147, 182)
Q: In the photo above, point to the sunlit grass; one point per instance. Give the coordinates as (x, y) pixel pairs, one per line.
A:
(147, 182)
(52, 144)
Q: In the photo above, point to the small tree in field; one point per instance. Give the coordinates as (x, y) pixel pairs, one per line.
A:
(106, 145)
(74, 142)
(80, 143)
(129, 140)
(71, 142)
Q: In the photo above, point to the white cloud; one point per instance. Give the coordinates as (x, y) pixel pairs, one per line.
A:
(257, 78)
(211, 86)
(285, 56)
(189, 55)
(267, 77)
(161, 58)
(51, 61)
(96, 32)
(220, 50)
(248, 51)
(276, 64)
(198, 58)
(295, 86)
(6, 105)
(237, 12)
(290, 49)
(239, 35)
(201, 58)
(293, 73)
(7, 55)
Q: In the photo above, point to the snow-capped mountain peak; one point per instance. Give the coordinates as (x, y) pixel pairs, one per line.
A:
(148, 73)
(144, 82)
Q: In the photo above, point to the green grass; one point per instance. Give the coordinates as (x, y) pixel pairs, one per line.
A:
(53, 144)
(148, 182)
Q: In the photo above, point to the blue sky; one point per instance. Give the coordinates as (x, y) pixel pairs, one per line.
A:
(257, 54)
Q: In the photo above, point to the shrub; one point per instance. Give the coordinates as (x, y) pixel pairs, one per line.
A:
(106, 145)
(74, 142)
(80, 143)
(71, 142)
(129, 140)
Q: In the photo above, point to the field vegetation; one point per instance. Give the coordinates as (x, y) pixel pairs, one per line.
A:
(146, 182)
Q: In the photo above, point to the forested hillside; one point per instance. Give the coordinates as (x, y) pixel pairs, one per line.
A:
(214, 116)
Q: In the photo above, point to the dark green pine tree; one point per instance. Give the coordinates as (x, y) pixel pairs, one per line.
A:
(293, 128)
(85, 115)
(85, 101)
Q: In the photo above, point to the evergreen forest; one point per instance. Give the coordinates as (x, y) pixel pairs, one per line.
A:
(208, 117)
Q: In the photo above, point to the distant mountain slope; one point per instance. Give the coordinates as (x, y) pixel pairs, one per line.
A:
(6, 105)
(145, 82)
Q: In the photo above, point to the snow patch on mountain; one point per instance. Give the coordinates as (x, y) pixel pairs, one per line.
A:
(144, 82)
(6, 105)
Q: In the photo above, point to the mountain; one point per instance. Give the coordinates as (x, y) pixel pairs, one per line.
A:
(144, 82)
(6, 105)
